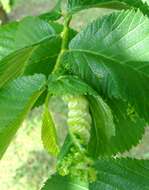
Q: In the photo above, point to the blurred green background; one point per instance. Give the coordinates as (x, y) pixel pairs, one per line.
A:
(26, 165)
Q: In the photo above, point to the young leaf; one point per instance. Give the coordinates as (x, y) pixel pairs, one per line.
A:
(129, 129)
(48, 133)
(121, 174)
(57, 182)
(109, 76)
(16, 100)
(78, 5)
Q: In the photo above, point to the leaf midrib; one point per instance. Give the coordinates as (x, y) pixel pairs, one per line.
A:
(93, 53)
(105, 57)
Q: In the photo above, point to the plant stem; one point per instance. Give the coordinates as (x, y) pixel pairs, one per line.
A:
(65, 40)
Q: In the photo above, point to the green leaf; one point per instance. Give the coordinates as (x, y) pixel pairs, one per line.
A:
(109, 76)
(17, 44)
(119, 38)
(57, 182)
(40, 30)
(129, 129)
(16, 100)
(28, 33)
(14, 64)
(66, 84)
(7, 34)
(44, 57)
(78, 5)
(48, 133)
(121, 174)
(15, 36)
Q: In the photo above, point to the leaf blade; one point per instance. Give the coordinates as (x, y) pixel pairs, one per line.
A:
(64, 183)
(16, 100)
(121, 174)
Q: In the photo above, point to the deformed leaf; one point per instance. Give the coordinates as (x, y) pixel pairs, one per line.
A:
(48, 133)
(16, 100)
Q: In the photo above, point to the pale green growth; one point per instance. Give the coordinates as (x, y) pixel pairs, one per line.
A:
(77, 165)
(79, 119)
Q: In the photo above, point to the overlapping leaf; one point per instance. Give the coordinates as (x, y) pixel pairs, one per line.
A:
(16, 100)
(122, 174)
(78, 5)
